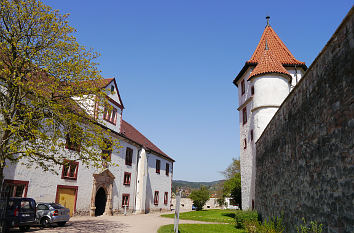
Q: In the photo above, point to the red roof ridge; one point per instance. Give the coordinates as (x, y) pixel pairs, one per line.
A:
(268, 64)
(130, 132)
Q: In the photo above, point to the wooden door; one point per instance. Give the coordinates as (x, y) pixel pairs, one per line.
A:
(66, 196)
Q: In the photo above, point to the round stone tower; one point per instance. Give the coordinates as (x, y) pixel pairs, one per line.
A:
(265, 81)
(271, 83)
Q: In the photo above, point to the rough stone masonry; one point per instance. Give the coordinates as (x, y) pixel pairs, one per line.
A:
(305, 157)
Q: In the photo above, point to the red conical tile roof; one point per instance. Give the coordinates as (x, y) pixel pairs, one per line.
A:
(268, 64)
(277, 48)
(278, 54)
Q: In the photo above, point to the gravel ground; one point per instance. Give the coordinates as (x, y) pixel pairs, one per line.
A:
(140, 223)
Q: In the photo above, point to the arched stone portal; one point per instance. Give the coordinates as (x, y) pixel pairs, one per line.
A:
(100, 201)
(102, 188)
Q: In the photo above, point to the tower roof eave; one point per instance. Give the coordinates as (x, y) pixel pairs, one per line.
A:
(287, 75)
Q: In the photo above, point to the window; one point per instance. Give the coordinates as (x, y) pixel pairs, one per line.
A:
(244, 143)
(244, 115)
(158, 163)
(112, 88)
(110, 114)
(165, 198)
(251, 135)
(106, 152)
(128, 156)
(156, 198)
(16, 188)
(125, 200)
(72, 143)
(242, 87)
(167, 169)
(42, 207)
(70, 169)
(126, 180)
(252, 90)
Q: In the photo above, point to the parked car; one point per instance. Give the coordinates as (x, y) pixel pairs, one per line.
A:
(193, 207)
(20, 212)
(49, 213)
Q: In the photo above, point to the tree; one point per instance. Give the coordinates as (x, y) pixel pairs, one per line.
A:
(48, 83)
(231, 187)
(232, 169)
(200, 197)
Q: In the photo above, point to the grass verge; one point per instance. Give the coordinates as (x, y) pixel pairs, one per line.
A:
(202, 228)
(224, 216)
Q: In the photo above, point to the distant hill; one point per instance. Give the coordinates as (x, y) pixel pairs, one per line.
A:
(188, 186)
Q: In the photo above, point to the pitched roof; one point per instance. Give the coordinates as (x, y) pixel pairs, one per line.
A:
(277, 50)
(268, 64)
(104, 82)
(128, 131)
(276, 46)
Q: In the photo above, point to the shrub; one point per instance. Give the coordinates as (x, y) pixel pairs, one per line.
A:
(245, 216)
(199, 197)
(272, 226)
(314, 227)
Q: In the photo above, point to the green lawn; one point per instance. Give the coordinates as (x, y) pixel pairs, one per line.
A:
(201, 228)
(224, 216)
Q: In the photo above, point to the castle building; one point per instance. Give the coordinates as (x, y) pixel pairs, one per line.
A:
(141, 183)
(263, 83)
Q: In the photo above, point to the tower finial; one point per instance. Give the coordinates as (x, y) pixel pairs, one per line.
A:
(266, 45)
(268, 17)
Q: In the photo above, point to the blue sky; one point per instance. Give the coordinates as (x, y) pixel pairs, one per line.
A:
(174, 61)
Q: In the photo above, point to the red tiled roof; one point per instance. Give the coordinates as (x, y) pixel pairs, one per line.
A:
(128, 131)
(101, 83)
(276, 46)
(268, 64)
(278, 51)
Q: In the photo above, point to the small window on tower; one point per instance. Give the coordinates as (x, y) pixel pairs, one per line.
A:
(244, 143)
(244, 115)
(252, 90)
(243, 87)
(252, 135)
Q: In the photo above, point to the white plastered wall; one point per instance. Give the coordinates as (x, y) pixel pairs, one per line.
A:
(246, 159)
(157, 182)
(43, 185)
(270, 90)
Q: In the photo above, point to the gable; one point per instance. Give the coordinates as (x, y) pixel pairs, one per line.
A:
(112, 92)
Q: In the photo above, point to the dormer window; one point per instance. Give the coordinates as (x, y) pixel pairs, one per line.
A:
(110, 115)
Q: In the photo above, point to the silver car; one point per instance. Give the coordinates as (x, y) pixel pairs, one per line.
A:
(48, 213)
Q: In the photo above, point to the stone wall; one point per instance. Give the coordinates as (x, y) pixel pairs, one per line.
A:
(305, 157)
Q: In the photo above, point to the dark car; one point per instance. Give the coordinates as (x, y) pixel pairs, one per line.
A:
(48, 213)
(20, 212)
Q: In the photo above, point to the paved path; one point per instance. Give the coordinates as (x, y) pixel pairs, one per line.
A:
(140, 223)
